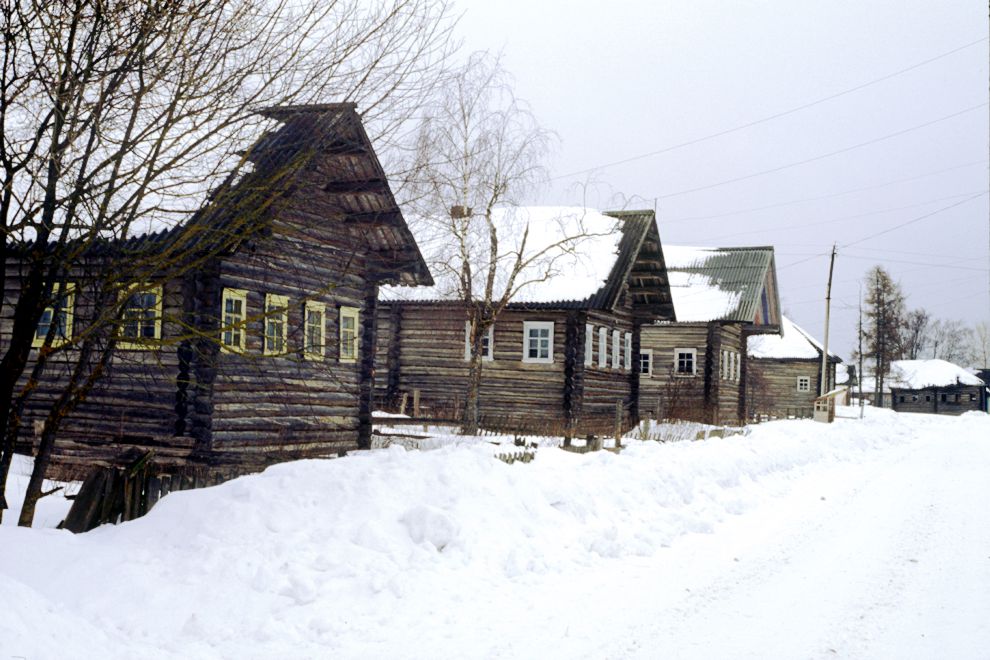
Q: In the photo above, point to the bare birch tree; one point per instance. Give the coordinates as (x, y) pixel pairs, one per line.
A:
(480, 152)
(117, 117)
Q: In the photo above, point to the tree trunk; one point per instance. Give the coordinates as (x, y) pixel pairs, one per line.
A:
(471, 417)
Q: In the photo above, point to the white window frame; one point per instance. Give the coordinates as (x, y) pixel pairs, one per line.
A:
(602, 347)
(142, 343)
(616, 346)
(236, 329)
(310, 350)
(627, 357)
(276, 311)
(589, 344)
(737, 361)
(694, 361)
(530, 326)
(66, 292)
(648, 354)
(349, 345)
(487, 354)
(804, 383)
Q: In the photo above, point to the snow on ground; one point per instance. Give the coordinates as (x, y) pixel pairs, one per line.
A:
(861, 539)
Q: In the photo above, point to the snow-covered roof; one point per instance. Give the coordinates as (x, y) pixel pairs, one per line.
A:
(573, 251)
(710, 284)
(793, 342)
(919, 374)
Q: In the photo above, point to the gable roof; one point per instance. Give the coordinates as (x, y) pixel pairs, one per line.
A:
(586, 273)
(288, 158)
(721, 284)
(792, 343)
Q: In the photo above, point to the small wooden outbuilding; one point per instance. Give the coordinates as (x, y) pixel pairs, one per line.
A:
(935, 386)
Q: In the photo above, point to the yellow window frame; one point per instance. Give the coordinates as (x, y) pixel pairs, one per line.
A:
(149, 343)
(69, 295)
(315, 351)
(276, 309)
(237, 329)
(349, 337)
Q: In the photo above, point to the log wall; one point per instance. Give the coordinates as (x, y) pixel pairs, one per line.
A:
(773, 387)
(951, 400)
(421, 347)
(706, 396)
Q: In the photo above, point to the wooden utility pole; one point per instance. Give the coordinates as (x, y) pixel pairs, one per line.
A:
(828, 303)
(859, 375)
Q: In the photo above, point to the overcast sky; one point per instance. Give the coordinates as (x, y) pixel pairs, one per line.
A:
(620, 80)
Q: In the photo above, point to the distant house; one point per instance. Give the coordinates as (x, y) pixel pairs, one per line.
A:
(695, 368)
(564, 351)
(784, 372)
(935, 386)
(261, 350)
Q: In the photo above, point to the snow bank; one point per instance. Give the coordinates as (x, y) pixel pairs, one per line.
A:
(396, 553)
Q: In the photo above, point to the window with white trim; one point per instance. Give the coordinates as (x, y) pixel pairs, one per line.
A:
(602, 347)
(646, 362)
(487, 342)
(314, 330)
(349, 317)
(233, 306)
(737, 361)
(616, 344)
(803, 383)
(276, 324)
(538, 341)
(589, 344)
(58, 314)
(685, 361)
(141, 317)
(627, 360)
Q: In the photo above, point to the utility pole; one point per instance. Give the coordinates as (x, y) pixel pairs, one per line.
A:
(859, 376)
(828, 303)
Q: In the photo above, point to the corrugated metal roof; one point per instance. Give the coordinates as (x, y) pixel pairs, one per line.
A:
(739, 272)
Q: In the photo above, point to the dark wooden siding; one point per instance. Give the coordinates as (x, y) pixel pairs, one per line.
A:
(958, 399)
(430, 354)
(290, 403)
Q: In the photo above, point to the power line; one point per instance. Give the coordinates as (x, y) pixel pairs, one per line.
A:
(825, 155)
(918, 219)
(826, 196)
(773, 116)
(816, 223)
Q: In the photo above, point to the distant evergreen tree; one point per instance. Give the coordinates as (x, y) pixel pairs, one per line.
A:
(885, 320)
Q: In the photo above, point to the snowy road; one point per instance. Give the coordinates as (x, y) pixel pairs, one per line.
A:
(863, 539)
(889, 558)
(892, 563)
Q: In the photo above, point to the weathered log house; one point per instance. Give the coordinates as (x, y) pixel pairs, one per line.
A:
(935, 386)
(553, 363)
(249, 338)
(695, 368)
(784, 372)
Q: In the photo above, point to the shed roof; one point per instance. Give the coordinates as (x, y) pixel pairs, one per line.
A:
(710, 284)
